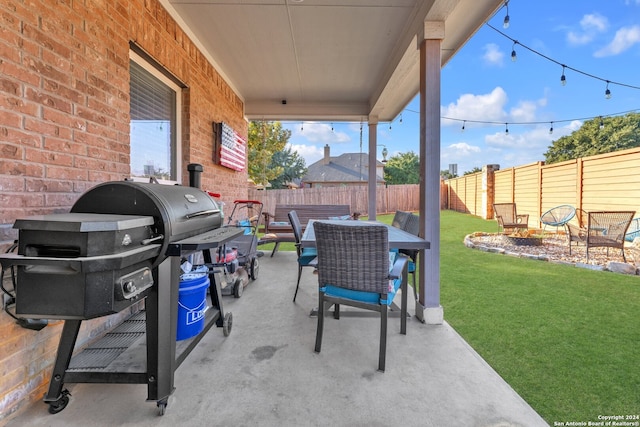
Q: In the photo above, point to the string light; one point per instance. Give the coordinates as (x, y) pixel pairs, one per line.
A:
(331, 127)
(551, 129)
(514, 57)
(505, 23)
(488, 122)
(400, 118)
(563, 79)
(507, 124)
(607, 92)
(506, 128)
(561, 64)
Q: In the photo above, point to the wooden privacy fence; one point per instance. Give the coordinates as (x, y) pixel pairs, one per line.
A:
(608, 181)
(388, 199)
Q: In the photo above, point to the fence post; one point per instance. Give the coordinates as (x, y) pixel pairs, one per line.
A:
(488, 190)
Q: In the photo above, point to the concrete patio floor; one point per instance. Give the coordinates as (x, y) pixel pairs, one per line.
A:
(265, 373)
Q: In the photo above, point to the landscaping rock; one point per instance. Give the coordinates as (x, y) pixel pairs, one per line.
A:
(621, 267)
(555, 248)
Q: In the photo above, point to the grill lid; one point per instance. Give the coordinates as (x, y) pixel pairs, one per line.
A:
(179, 212)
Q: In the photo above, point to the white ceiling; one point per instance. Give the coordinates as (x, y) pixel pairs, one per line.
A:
(330, 60)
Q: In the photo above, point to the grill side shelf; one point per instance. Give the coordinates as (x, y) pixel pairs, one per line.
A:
(209, 240)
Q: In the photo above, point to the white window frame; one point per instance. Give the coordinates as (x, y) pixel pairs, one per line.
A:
(178, 125)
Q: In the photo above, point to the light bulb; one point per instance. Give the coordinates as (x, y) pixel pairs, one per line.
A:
(563, 79)
(514, 57)
(607, 92)
(463, 123)
(551, 129)
(505, 23)
(506, 128)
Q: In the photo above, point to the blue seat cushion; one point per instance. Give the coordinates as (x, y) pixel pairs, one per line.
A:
(366, 297)
(411, 267)
(307, 255)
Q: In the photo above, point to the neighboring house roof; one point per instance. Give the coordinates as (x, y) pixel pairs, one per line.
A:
(348, 167)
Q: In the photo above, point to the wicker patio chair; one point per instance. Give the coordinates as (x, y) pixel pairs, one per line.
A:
(508, 218)
(409, 222)
(605, 229)
(305, 255)
(353, 269)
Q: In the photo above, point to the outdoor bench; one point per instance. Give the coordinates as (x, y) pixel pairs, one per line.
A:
(277, 227)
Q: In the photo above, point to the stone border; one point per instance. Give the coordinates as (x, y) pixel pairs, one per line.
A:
(612, 266)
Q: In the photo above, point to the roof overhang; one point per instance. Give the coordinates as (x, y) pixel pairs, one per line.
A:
(325, 60)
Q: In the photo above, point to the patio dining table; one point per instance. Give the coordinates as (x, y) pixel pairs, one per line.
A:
(398, 238)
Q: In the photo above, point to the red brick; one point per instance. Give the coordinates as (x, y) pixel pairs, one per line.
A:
(11, 151)
(48, 100)
(48, 157)
(56, 199)
(21, 200)
(10, 53)
(48, 43)
(64, 120)
(11, 118)
(19, 105)
(48, 185)
(65, 146)
(12, 183)
(46, 129)
(73, 174)
(19, 137)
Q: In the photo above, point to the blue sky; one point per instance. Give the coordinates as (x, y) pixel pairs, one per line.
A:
(481, 83)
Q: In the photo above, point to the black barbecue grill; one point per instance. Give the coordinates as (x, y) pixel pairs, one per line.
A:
(121, 243)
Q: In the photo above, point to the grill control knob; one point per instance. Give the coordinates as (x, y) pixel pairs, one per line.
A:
(129, 287)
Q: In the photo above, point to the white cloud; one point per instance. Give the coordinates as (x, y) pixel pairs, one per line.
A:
(321, 132)
(493, 55)
(625, 38)
(524, 112)
(591, 25)
(310, 153)
(487, 107)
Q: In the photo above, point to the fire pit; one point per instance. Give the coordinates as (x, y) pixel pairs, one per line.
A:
(528, 237)
(525, 241)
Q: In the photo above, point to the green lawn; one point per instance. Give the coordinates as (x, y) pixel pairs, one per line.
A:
(566, 339)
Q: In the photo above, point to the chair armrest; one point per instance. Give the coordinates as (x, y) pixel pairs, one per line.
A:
(266, 216)
(522, 219)
(399, 266)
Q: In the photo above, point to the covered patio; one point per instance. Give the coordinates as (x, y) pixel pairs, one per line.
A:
(266, 373)
(360, 61)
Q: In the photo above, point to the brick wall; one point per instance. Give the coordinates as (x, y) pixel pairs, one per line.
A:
(64, 127)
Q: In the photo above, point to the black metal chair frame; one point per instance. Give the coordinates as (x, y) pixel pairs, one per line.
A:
(297, 233)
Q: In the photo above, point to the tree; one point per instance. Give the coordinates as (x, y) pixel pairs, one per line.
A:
(294, 167)
(597, 136)
(476, 169)
(446, 174)
(264, 140)
(403, 168)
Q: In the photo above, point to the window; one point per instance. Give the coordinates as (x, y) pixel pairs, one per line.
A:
(155, 122)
